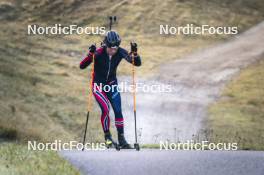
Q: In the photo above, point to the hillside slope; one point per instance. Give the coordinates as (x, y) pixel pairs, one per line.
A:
(43, 93)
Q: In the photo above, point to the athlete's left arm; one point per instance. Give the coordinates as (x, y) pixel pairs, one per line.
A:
(129, 56)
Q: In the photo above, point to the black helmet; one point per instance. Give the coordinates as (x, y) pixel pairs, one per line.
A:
(112, 39)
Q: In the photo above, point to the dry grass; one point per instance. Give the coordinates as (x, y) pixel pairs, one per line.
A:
(43, 92)
(239, 115)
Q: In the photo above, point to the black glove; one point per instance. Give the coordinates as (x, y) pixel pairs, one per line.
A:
(92, 48)
(133, 47)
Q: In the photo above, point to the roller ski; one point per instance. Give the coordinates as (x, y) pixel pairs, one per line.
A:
(110, 143)
(123, 143)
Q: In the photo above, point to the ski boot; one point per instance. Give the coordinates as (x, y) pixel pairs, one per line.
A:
(122, 142)
(110, 143)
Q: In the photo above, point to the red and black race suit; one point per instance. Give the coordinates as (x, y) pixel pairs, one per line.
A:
(105, 67)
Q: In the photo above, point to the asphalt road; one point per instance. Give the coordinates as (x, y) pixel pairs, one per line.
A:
(156, 162)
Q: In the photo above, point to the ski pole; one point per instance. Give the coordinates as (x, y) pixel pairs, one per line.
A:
(89, 101)
(111, 20)
(134, 100)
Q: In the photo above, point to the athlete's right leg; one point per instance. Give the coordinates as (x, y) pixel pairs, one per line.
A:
(103, 102)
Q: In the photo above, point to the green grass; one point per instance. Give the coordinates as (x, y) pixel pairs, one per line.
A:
(150, 146)
(17, 159)
(239, 115)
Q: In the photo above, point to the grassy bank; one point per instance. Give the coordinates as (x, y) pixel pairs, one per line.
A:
(17, 159)
(239, 114)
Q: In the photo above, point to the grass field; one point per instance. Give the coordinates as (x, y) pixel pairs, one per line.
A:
(43, 93)
(239, 114)
(17, 159)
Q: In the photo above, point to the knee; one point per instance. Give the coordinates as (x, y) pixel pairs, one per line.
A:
(105, 112)
(118, 111)
(118, 114)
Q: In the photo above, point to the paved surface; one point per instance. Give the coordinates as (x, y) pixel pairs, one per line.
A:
(156, 162)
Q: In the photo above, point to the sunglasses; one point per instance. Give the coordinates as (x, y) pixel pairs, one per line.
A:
(112, 49)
